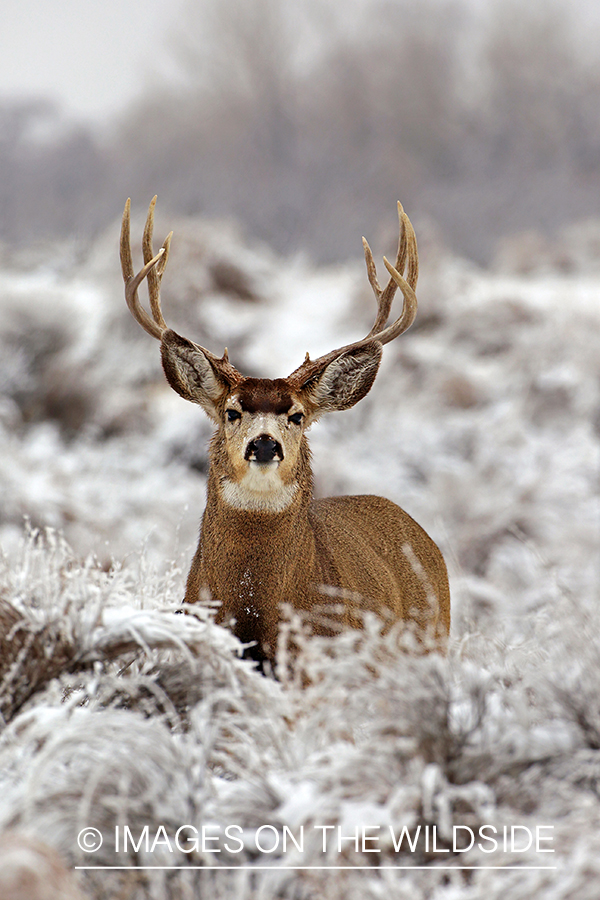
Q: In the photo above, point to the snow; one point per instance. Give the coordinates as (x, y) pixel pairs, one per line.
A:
(483, 423)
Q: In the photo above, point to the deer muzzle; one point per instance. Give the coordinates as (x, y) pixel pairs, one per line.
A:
(264, 449)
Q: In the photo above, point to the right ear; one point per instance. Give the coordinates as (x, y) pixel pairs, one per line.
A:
(195, 373)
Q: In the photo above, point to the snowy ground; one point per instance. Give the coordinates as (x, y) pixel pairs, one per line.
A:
(483, 424)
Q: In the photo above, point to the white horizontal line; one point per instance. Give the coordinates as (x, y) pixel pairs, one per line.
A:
(319, 868)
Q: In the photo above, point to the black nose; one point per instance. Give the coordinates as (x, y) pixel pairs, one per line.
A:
(263, 449)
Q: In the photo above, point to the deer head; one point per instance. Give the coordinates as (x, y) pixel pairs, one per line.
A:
(261, 423)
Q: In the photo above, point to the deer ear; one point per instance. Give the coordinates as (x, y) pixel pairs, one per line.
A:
(345, 380)
(195, 373)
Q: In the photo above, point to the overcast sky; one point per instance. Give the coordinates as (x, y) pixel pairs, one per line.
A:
(93, 55)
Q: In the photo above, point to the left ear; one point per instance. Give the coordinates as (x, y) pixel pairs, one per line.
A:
(343, 381)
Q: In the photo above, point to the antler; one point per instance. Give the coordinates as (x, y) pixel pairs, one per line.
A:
(153, 270)
(407, 247)
(406, 258)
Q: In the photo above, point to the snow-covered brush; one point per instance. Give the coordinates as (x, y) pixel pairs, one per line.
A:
(59, 618)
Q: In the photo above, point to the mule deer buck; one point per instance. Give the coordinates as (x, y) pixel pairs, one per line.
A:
(264, 540)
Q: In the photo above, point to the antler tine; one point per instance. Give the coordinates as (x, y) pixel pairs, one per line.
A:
(412, 262)
(154, 268)
(156, 273)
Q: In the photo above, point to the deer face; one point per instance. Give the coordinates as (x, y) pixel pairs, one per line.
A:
(261, 432)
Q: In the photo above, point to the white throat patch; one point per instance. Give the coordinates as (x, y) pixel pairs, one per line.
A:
(260, 490)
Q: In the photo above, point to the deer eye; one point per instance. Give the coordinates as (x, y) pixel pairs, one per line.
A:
(296, 418)
(232, 415)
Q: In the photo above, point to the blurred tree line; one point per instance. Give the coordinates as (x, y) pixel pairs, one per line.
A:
(307, 121)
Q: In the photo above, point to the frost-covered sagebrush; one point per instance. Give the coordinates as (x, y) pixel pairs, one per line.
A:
(118, 711)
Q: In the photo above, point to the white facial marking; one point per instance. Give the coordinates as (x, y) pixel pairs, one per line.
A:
(265, 424)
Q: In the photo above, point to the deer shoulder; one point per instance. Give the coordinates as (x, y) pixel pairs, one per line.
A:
(264, 539)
